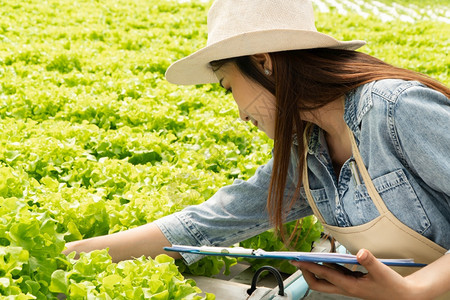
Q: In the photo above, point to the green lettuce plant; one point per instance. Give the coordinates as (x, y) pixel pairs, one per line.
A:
(93, 140)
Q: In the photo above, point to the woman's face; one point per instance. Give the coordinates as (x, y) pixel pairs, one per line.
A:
(255, 103)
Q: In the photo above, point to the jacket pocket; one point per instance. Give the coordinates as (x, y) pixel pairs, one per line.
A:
(399, 197)
(323, 205)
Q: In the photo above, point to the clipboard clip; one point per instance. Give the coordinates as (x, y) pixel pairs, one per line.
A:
(221, 250)
(226, 250)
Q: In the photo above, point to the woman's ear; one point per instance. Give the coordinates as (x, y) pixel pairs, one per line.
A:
(264, 62)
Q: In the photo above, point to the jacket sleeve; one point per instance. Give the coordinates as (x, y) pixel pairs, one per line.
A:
(422, 124)
(235, 213)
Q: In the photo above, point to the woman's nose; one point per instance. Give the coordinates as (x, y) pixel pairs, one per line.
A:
(244, 116)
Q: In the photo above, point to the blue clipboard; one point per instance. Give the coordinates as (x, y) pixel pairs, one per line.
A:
(317, 257)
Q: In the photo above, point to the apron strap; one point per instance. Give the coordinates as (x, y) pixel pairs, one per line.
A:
(376, 198)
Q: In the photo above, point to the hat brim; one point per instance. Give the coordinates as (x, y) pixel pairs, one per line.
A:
(195, 68)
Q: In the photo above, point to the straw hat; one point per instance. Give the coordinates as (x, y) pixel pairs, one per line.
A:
(247, 27)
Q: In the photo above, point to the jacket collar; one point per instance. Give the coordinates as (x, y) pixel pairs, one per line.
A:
(357, 103)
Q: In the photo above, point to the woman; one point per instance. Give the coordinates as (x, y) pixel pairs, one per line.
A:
(361, 144)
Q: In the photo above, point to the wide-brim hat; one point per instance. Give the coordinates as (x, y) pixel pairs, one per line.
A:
(246, 27)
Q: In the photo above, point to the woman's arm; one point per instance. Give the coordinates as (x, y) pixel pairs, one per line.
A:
(145, 240)
(235, 213)
(380, 282)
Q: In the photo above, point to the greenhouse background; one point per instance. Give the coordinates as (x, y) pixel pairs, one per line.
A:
(95, 141)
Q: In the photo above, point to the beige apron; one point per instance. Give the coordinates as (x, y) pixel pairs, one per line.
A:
(385, 236)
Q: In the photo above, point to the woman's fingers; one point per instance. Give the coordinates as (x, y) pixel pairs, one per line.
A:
(373, 266)
(325, 279)
(318, 284)
(380, 282)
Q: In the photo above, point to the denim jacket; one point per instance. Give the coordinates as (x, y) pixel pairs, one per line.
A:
(402, 129)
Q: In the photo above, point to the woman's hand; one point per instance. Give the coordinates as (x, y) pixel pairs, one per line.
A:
(380, 282)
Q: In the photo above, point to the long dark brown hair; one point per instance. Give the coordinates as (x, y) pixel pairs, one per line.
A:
(306, 80)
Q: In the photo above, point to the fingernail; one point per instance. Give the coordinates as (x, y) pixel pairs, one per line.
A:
(362, 254)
